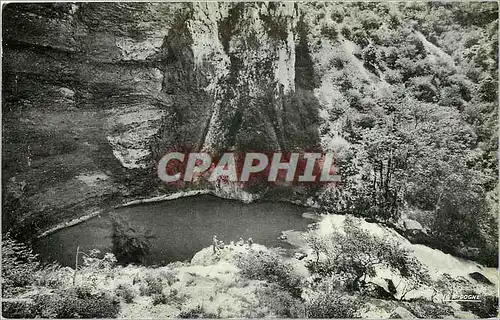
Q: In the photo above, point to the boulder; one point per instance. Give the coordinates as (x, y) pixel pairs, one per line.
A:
(402, 313)
(479, 277)
(66, 92)
(376, 291)
(311, 215)
(410, 224)
(299, 255)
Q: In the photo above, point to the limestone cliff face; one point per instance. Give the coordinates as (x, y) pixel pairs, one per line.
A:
(94, 94)
(230, 72)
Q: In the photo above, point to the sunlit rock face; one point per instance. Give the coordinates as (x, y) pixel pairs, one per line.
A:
(231, 73)
(107, 89)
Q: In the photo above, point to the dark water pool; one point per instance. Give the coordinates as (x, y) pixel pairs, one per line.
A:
(181, 227)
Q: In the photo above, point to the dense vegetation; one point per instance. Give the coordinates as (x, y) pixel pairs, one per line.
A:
(422, 128)
(340, 283)
(355, 254)
(38, 290)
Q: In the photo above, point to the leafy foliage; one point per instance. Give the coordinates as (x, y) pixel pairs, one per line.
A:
(328, 299)
(19, 266)
(78, 302)
(82, 302)
(152, 286)
(332, 305)
(425, 309)
(260, 265)
(354, 255)
(159, 298)
(486, 308)
(280, 302)
(125, 292)
(197, 312)
(419, 118)
(131, 243)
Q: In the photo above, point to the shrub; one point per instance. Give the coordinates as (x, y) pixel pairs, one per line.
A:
(356, 254)
(53, 276)
(152, 285)
(18, 309)
(280, 302)
(131, 244)
(175, 298)
(486, 308)
(80, 302)
(19, 266)
(335, 304)
(197, 312)
(270, 267)
(159, 298)
(91, 261)
(328, 299)
(125, 292)
(329, 32)
(346, 32)
(93, 265)
(170, 276)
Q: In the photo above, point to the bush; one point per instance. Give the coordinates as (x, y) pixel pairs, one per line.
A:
(486, 308)
(19, 266)
(92, 262)
(198, 312)
(93, 265)
(53, 276)
(175, 298)
(18, 309)
(79, 302)
(125, 292)
(159, 298)
(329, 32)
(346, 32)
(271, 268)
(131, 243)
(153, 285)
(356, 254)
(280, 302)
(334, 304)
(170, 276)
(425, 309)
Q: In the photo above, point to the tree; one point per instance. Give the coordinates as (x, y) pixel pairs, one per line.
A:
(415, 276)
(131, 244)
(354, 255)
(19, 266)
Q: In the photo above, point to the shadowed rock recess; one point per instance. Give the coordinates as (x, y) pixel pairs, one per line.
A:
(94, 94)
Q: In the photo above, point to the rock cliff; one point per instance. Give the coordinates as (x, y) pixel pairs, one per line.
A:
(94, 94)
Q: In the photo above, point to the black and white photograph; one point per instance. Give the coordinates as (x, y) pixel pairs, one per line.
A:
(249, 159)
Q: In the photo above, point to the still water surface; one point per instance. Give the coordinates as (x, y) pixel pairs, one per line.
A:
(181, 227)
